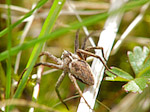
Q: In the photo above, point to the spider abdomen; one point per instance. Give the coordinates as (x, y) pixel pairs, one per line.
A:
(82, 71)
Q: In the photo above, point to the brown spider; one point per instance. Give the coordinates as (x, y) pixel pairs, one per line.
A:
(75, 65)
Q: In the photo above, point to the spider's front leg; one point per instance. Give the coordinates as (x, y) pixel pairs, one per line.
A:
(50, 65)
(73, 79)
(57, 86)
(57, 60)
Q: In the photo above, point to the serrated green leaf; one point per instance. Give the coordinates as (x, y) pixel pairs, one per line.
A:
(137, 58)
(140, 62)
(136, 85)
(119, 73)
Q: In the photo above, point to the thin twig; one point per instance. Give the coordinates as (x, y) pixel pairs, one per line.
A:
(90, 5)
(15, 8)
(77, 96)
(26, 29)
(71, 8)
(22, 102)
(129, 29)
(36, 89)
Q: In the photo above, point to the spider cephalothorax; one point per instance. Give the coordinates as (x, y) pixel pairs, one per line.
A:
(75, 66)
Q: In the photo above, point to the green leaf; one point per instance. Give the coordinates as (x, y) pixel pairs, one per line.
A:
(137, 58)
(147, 63)
(140, 62)
(116, 79)
(120, 74)
(145, 73)
(136, 85)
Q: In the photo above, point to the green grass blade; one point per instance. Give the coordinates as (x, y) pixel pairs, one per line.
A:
(8, 74)
(47, 27)
(55, 34)
(41, 3)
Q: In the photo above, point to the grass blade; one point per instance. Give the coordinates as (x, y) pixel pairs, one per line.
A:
(41, 3)
(8, 75)
(87, 22)
(47, 27)
(55, 34)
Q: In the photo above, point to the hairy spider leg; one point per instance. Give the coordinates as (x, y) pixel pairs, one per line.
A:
(82, 46)
(77, 41)
(77, 45)
(51, 65)
(96, 56)
(73, 79)
(44, 64)
(61, 77)
(57, 60)
(59, 80)
(85, 40)
(97, 47)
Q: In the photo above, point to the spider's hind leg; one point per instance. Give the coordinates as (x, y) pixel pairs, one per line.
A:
(96, 56)
(97, 47)
(73, 79)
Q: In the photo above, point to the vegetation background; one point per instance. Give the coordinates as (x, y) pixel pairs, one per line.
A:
(64, 24)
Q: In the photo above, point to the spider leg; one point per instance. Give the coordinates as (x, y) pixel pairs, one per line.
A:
(85, 40)
(57, 60)
(97, 47)
(83, 47)
(73, 79)
(44, 64)
(77, 41)
(57, 86)
(77, 45)
(51, 65)
(96, 56)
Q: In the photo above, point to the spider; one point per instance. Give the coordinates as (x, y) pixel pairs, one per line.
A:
(75, 65)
